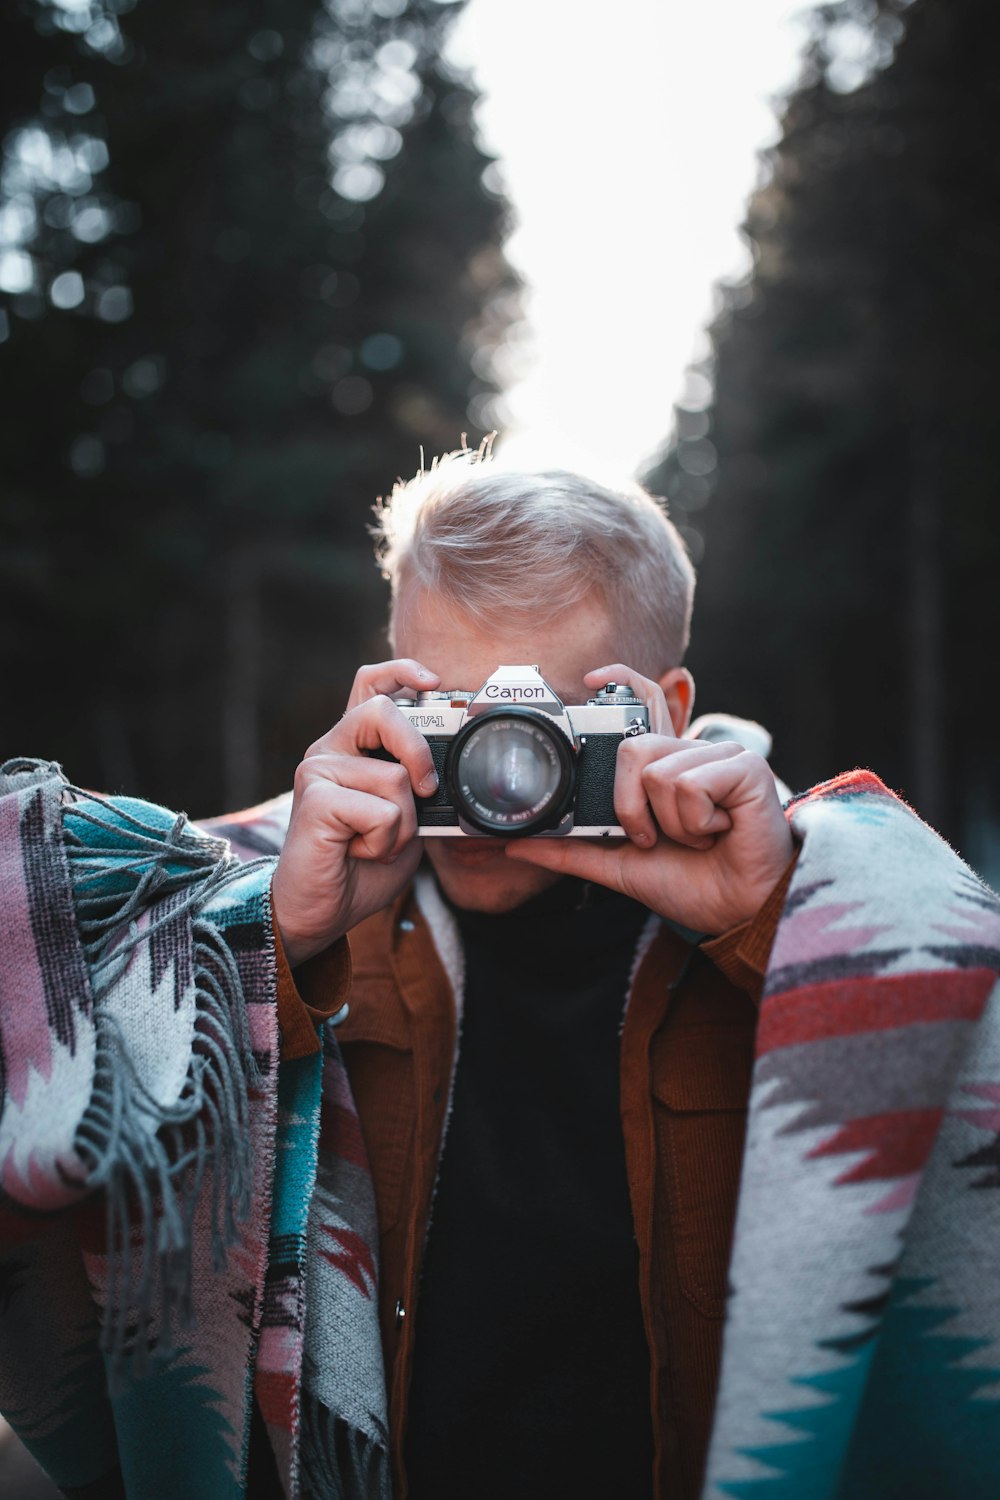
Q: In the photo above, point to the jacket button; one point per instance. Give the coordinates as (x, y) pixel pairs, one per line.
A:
(406, 925)
(400, 1313)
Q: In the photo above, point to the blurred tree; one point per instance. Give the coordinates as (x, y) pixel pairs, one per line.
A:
(843, 430)
(249, 265)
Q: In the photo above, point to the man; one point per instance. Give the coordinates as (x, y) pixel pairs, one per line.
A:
(516, 1335)
(549, 1045)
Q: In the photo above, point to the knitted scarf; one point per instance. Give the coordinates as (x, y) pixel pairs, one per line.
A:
(141, 1115)
(862, 1343)
(861, 1357)
(170, 1206)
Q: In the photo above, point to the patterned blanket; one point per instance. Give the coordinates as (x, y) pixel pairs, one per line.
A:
(177, 1213)
(140, 1105)
(861, 1357)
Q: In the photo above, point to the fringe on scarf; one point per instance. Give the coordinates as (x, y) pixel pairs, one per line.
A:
(149, 1159)
(338, 1460)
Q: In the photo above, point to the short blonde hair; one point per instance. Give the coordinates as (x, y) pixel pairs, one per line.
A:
(496, 544)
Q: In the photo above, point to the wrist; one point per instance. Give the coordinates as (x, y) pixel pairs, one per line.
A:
(300, 940)
(299, 950)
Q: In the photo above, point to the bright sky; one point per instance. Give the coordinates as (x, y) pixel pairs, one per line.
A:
(627, 136)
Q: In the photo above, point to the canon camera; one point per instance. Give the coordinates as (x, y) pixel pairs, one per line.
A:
(514, 761)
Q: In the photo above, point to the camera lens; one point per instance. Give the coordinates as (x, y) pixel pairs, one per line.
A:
(512, 772)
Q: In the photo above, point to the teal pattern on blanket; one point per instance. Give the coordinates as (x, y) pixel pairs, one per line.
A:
(298, 1132)
(934, 1411)
(808, 1464)
(180, 1225)
(861, 1357)
(80, 1439)
(151, 1413)
(154, 1168)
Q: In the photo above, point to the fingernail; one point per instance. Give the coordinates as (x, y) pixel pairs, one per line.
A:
(423, 672)
(429, 784)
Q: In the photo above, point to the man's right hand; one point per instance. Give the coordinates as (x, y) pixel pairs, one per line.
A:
(351, 843)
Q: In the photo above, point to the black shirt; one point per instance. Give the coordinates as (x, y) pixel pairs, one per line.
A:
(531, 1370)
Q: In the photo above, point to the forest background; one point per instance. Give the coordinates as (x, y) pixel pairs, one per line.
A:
(251, 263)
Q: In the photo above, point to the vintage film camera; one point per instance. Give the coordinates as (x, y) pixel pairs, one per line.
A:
(513, 760)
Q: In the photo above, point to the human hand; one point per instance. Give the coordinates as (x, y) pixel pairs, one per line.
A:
(707, 839)
(351, 843)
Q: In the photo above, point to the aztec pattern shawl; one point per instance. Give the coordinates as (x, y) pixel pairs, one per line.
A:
(862, 1343)
(861, 1358)
(171, 1202)
(861, 1354)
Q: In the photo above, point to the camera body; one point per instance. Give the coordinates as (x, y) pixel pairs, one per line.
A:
(513, 760)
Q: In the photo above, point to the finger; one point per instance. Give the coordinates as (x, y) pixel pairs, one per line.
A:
(600, 862)
(729, 784)
(698, 812)
(631, 800)
(369, 824)
(634, 793)
(382, 778)
(379, 725)
(709, 796)
(687, 819)
(390, 677)
(643, 687)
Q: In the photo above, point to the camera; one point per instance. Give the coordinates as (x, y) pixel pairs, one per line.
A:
(514, 760)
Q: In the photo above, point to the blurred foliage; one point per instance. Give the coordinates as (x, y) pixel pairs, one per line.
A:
(249, 266)
(838, 456)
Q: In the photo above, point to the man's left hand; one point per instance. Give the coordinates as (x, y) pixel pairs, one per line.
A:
(707, 837)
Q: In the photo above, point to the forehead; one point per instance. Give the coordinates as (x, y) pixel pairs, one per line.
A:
(563, 643)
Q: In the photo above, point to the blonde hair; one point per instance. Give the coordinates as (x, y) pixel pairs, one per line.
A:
(495, 544)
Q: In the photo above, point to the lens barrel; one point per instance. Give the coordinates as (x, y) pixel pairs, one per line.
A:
(511, 771)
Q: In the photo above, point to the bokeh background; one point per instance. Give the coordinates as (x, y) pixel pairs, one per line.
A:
(256, 256)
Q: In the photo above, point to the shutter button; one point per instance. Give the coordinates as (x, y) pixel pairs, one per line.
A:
(400, 1313)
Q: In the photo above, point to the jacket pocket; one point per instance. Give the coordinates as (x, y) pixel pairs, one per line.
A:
(700, 1089)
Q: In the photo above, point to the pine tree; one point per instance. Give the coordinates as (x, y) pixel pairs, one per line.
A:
(251, 267)
(843, 473)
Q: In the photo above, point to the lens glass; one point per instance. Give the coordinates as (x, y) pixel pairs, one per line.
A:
(510, 771)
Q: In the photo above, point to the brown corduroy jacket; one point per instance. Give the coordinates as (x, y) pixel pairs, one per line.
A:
(686, 1056)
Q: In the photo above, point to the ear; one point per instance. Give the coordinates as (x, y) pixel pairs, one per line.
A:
(678, 689)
